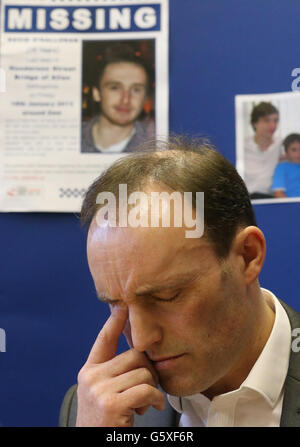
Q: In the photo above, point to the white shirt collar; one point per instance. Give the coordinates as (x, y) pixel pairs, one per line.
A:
(274, 358)
(268, 374)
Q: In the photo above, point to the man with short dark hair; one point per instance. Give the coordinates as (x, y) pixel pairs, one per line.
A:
(199, 326)
(122, 87)
(262, 151)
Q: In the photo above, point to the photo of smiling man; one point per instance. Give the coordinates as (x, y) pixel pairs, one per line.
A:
(118, 113)
(262, 150)
(263, 123)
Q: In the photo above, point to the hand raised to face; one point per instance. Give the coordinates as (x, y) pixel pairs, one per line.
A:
(112, 387)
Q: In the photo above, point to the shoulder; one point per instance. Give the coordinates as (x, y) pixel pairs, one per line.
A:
(143, 131)
(294, 318)
(277, 141)
(294, 315)
(87, 141)
(88, 124)
(283, 166)
(145, 127)
(276, 146)
(249, 142)
(68, 409)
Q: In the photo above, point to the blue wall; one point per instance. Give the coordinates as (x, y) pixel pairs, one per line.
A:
(48, 307)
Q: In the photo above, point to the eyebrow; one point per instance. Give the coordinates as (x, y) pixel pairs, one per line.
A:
(139, 84)
(105, 298)
(172, 283)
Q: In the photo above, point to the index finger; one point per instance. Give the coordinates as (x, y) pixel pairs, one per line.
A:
(106, 343)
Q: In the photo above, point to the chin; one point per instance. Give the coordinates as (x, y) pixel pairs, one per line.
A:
(124, 123)
(177, 387)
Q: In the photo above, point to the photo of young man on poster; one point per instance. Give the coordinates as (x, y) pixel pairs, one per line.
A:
(118, 85)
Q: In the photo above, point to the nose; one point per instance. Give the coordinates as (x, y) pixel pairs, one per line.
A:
(126, 97)
(145, 329)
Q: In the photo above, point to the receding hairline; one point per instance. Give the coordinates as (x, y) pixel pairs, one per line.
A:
(182, 163)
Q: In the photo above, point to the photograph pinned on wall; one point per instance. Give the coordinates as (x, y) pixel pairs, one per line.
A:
(118, 95)
(268, 146)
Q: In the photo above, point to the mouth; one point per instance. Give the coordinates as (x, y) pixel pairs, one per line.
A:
(122, 109)
(166, 362)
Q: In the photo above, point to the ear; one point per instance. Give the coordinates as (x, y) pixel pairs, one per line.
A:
(250, 244)
(96, 94)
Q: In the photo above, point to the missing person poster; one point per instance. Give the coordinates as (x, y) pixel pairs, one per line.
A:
(83, 83)
(268, 145)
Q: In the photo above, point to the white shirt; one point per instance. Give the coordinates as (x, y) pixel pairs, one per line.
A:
(259, 165)
(117, 147)
(258, 401)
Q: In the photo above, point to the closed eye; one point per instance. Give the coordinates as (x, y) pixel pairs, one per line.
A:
(168, 300)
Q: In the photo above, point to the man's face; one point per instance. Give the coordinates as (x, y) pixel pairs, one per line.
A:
(293, 152)
(266, 125)
(187, 311)
(122, 92)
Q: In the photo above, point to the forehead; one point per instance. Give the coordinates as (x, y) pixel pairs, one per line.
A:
(123, 259)
(270, 117)
(160, 244)
(124, 72)
(295, 145)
